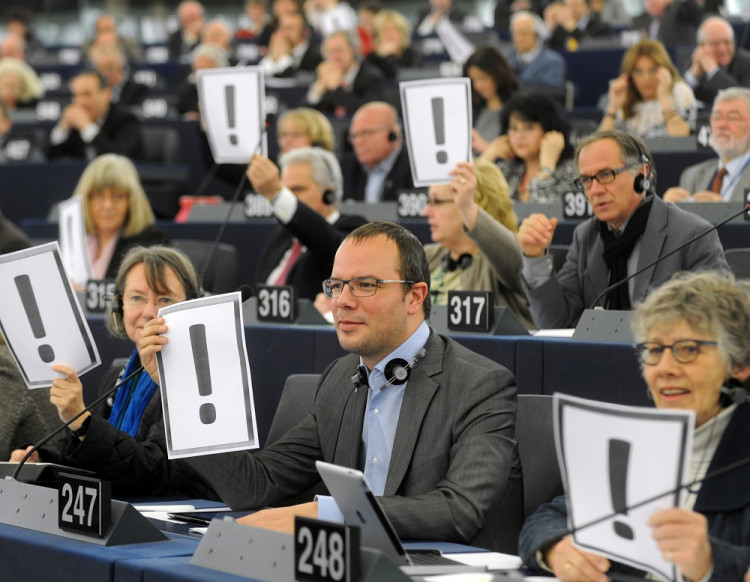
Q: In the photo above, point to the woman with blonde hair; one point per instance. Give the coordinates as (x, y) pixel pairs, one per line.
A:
(392, 48)
(304, 127)
(649, 99)
(116, 212)
(472, 225)
(19, 84)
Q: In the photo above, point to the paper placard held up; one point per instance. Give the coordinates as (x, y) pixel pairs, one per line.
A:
(232, 102)
(72, 235)
(205, 378)
(40, 316)
(437, 125)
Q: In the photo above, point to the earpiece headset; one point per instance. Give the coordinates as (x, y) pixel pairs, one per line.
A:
(733, 392)
(642, 182)
(397, 371)
(329, 195)
(461, 263)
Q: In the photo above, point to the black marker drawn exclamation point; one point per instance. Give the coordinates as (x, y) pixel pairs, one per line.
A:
(438, 119)
(23, 284)
(229, 97)
(207, 411)
(619, 456)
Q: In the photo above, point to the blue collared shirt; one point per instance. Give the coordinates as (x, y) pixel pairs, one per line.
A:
(376, 177)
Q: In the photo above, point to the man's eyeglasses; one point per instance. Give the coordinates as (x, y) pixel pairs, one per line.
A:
(684, 351)
(367, 133)
(602, 176)
(360, 287)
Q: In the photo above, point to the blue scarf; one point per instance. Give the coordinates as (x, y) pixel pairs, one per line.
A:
(132, 398)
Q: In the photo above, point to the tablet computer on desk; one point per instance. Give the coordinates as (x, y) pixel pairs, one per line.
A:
(361, 507)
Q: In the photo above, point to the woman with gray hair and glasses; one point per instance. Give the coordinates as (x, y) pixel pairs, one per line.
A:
(693, 337)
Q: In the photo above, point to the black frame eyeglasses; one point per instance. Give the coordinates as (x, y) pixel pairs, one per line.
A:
(684, 351)
(360, 287)
(604, 177)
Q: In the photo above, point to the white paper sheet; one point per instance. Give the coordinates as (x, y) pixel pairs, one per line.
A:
(72, 236)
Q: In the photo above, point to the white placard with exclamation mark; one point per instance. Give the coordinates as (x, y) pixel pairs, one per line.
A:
(437, 126)
(40, 316)
(620, 464)
(233, 107)
(204, 376)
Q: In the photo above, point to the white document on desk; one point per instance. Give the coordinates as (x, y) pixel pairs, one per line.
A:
(205, 380)
(620, 464)
(40, 316)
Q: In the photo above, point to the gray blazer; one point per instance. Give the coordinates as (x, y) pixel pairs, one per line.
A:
(560, 301)
(700, 176)
(454, 472)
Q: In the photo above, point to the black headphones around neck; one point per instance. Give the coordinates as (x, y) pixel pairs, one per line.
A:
(642, 182)
(449, 264)
(397, 371)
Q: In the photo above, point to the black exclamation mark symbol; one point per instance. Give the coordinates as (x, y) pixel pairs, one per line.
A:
(229, 98)
(619, 456)
(438, 119)
(207, 411)
(23, 284)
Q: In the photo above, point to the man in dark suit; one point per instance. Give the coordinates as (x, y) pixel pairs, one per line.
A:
(438, 448)
(305, 199)
(343, 83)
(669, 21)
(183, 40)
(379, 165)
(92, 125)
(717, 63)
(112, 65)
(293, 47)
(575, 23)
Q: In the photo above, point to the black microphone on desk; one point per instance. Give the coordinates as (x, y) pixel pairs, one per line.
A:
(669, 254)
(246, 291)
(212, 255)
(67, 423)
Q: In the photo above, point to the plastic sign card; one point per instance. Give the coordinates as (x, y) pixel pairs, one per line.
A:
(437, 125)
(40, 316)
(232, 104)
(204, 376)
(620, 465)
(73, 246)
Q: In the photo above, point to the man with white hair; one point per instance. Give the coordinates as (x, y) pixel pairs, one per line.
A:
(534, 63)
(725, 178)
(305, 198)
(717, 63)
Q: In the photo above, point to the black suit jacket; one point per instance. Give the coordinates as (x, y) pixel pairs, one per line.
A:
(147, 237)
(679, 23)
(322, 241)
(132, 93)
(176, 47)
(368, 85)
(355, 178)
(736, 74)
(120, 134)
(595, 28)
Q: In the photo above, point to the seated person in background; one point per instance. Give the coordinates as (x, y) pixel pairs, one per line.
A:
(534, 63)
(535, 153)
(670, 22)
(92, 125)
(648, 98)
(717, 63)
(304, 127)
(379, 165)
(472, 225)
(292, 47)
(631, 228)
(693, 339)
(342, 83)
(329, 16)
(183, 41)
(106, 34)
(447, 465)
(366, 12)
(20, 86)
(19, 23)
(19, 145)
(429, 18)
(111, 64)
(392, 49)
(572, 23)
(254, 24)
(612, 12)
(218, 33)
(205, 56)
(116, 213)
(27, 415)
(723, 179)
(125, 442)
(300, 251)
(492, 83)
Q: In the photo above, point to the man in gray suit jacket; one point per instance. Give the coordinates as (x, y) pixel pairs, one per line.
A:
(534, 63)
(435, 437)
(730, 139)
(631, 228)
